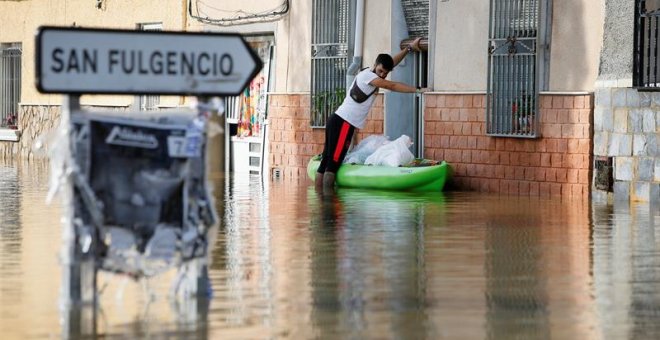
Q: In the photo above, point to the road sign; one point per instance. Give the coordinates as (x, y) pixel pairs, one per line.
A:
(80, 61)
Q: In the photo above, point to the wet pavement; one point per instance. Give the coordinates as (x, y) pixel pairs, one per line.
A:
(290, 263)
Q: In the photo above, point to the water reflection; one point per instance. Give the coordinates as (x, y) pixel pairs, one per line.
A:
(10, 238)
(291, 263)
(367, 264)
(27, 251)
(627, 269)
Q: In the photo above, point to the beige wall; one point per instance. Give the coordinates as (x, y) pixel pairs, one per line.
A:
(20, 21)
(377, 30)
(460, 41)
(293, 52)
(226, 9)
(577, 37)
(461, 59)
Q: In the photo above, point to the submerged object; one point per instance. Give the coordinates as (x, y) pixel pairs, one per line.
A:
(419, 175)
(142, 190)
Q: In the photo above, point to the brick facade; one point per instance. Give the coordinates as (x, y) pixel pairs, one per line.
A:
(293, 142)
(558, 163)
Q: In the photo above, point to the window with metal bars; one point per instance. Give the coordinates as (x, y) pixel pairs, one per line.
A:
(645, 45)
(330, 56)
(512, 98)
(10, 84)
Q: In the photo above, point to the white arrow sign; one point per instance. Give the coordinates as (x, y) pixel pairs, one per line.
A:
(74, 60)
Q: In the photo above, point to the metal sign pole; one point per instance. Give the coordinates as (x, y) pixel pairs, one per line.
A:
(78, 61)
(78, 291)
(79, 279)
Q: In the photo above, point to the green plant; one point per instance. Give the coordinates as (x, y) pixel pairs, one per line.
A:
(522, 110)
(326, 102)
(11, 121)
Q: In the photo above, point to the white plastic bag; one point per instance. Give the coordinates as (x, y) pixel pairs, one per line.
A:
(394, 153)
(365, 148)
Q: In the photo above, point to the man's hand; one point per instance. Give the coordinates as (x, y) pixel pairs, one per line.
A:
(415, 44)
(424, 89)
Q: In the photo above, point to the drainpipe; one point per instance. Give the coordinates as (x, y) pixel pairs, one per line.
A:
(354, 68)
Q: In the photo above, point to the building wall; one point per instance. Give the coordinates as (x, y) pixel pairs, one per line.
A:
(577, 32)
(377, 30)
(34, 124)
(461, 57)
(461, 46)
(20, 20)
(293, 41)
(616, 58)
(627, 129)
(292, 49)
(626, 121)
(39, 113)
(558, 163)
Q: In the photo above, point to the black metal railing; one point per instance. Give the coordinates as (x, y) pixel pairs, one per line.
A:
(645, 46)
(512, 100)
(10, 86)
(330, 29)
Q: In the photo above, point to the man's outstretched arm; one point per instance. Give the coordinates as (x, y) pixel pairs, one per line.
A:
(402, 54)
(396, 86)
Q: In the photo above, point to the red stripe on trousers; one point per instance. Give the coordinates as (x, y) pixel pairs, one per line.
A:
(342, 140)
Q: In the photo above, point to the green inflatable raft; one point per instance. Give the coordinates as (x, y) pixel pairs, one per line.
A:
(420, 175)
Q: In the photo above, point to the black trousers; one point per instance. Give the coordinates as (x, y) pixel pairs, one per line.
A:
(338, 135)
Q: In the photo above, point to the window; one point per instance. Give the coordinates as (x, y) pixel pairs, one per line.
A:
(645, 59)
(10, 84)
(149, 102)
(416, 13)
(421, 69)
(512, 97)
(330, 38)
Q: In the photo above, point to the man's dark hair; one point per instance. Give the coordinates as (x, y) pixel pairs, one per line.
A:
(385, 60)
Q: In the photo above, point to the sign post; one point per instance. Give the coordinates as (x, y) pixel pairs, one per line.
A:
(89, 61)
(75, 61)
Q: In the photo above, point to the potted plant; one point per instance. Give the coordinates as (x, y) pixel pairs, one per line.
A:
(522, 111)
(11, 121)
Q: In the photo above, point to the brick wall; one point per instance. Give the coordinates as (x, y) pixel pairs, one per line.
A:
(558, 163)
(293, 142)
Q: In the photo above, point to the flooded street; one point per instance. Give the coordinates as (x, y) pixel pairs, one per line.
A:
(290, 263)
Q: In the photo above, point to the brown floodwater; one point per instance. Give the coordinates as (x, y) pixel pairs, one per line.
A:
(290, 263)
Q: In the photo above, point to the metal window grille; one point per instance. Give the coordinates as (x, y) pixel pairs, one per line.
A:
(647, 14)
(416, 13)
(10, 85)
(421, 69)
(330, 35)
(512, 104)
(150, 102)
(233, 109)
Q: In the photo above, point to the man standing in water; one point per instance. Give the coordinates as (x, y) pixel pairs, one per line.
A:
(352, 113)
